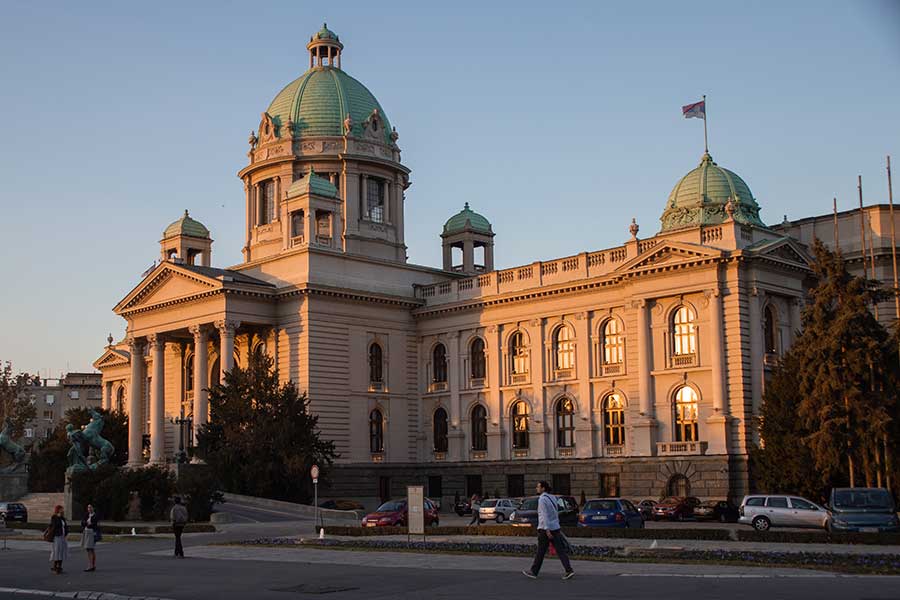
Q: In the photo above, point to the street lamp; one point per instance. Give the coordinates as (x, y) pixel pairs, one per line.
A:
(181, 421)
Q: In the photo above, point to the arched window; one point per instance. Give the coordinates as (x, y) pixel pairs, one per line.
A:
(684, 336)
(612, 340)
(267, 202)
(771, 331)
(520, 425)
(120, 400)
(440, 430)
(376, 431)
(565, 423)
(614, 420)
(518, 354)
(563, 348)
(189, 373)
(479, 428)
(686, 415)
(376, 364)
(215, 373)
(476, 358)
(439, 364)
(678, 486)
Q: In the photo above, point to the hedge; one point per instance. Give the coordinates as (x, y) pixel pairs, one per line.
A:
(818, 537)
(122, 530)
(514, 531)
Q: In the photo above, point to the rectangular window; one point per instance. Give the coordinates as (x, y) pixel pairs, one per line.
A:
(562, 484)
(73, 394)
(384, 488)
(323, 225)
(435, 487)
(267, 202)
(515, 486)
(49, 399)
(609, 485)
(777, 502)
(375, 199)
(297, 223)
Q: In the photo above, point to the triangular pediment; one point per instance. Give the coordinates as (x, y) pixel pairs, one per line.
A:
(112, 358)
(166, 283)
(784, 249)
(668, 254)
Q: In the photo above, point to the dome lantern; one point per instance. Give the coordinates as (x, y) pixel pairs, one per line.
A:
(186, 241)
(325, 48)
(467, 231)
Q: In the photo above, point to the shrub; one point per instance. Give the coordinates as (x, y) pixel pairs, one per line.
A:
(198, 486)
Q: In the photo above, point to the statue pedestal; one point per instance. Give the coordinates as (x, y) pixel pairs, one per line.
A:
(13, 486)
(72, 504)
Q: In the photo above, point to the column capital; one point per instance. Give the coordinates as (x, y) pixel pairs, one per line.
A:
(198, 330)
(640, 303)
(134, 344)
(227, 326)
(156, 340)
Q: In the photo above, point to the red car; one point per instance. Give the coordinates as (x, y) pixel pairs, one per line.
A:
(675, 508)
(393, 513)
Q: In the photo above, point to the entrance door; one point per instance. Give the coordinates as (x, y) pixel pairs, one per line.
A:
(473, 485)
(384, 489)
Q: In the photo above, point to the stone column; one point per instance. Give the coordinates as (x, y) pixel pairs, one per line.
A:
(493, 358)
(201, 376)
(755, 301)
(157, 400)
(539, 446)
(583, 348)
(135, 418)
(106, 402)
(717, 423)
(643, 432)
(364, 197)
(468, 257)
(455, 437)
(226, 346)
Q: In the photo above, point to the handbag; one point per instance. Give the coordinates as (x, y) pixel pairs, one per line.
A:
(48, 534)
(97, 535)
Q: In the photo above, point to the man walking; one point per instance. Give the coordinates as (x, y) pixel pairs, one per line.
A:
(548, 533)
(179, 518)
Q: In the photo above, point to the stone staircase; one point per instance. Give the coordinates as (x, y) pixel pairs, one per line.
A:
(40, 506)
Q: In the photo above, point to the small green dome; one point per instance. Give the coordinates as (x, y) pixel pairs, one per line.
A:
(467, 219)
(319, 101)
(326, 34)
(312, 184)
(701, 196)
(186, 226)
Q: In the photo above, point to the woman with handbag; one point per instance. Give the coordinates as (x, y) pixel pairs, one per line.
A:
(57, 532)
(90, 535)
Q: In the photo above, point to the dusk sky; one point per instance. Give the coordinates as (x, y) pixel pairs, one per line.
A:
(558, 121)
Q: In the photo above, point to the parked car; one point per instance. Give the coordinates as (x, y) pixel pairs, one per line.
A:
(868, 510)
(675, 508)
(342, 505)
(722, 511)
(646, 508)
(394, 513)
(762, 511)
(13, 511)
(526, 514)
(463, 507)
(497, 509)
(610, 512)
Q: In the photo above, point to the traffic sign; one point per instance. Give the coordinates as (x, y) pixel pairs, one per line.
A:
(314, 472)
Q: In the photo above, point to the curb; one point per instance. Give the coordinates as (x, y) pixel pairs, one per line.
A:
(80, 595)
(302, 509)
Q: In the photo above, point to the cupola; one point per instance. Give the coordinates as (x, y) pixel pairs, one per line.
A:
(186, 241)
(469, 232)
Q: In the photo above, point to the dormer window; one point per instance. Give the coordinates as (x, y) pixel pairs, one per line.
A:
(375, 199)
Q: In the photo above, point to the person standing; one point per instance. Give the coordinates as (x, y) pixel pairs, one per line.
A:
(179, 518)
(548, 533)
(89, 534)
(475, 503)
(59, 547)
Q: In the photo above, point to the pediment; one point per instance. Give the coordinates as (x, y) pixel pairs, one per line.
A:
(667, 254)
(165, 284)
(786, 250)
(111, 358)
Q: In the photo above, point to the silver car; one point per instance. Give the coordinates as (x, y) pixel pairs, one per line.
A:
(762, 511)
(498, 509)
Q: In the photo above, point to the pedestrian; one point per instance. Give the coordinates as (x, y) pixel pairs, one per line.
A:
(179, 518)
(548, 533)
(59, 547)
(475, 503)
(89, 535)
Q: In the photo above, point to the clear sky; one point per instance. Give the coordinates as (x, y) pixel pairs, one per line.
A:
(559, 121)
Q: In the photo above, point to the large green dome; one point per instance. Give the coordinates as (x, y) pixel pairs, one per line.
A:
(701, 196)
(319, 101)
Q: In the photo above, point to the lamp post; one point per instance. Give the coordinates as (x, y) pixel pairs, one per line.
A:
(181, 421)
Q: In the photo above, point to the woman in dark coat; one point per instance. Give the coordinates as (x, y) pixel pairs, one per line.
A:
(59, 548)
(90, 531)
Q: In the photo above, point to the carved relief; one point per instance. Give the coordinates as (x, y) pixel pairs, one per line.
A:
(267, 128)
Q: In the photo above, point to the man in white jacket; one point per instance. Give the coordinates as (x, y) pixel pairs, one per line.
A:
(548, 533)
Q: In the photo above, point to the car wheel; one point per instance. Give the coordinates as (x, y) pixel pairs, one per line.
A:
(722, 518)
(500, 518)
(681, 516)
(761, 524)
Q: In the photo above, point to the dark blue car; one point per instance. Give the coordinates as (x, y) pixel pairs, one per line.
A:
(610, 512)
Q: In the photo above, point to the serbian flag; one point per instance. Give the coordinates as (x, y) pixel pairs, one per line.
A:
(697, 110)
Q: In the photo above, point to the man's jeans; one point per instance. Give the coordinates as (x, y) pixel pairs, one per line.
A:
(543, 544)
(178, 530)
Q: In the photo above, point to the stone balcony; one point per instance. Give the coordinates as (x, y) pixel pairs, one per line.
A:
(681, 448)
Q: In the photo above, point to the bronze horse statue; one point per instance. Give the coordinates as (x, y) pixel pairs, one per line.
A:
(14, 449)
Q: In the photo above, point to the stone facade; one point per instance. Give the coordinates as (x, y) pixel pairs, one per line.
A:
(637, 369)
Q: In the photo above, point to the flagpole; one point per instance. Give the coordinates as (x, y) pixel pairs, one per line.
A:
(893, 239)
(862, 229)
(836, 246)
(705, 139)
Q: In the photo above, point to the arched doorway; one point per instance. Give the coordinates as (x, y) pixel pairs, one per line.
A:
(678, 485)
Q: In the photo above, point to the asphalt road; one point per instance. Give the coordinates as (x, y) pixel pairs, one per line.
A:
(145, 567)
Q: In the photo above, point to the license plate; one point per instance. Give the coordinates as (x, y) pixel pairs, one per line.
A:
(370, 524)
(868, 530)
(601, 518)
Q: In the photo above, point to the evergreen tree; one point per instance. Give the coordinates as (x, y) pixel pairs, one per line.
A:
(13, 403)
(261, 439)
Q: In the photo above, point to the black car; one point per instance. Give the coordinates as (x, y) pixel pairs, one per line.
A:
(722, 511)
(646, 508)
(13, 511)
(463, 507)
(527, 513)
